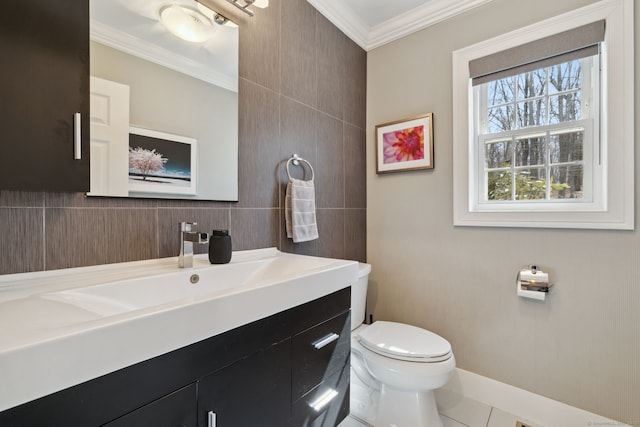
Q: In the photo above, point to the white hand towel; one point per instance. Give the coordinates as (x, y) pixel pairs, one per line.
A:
(300, 211)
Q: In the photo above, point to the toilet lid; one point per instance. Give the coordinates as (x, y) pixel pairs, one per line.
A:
(405, 342)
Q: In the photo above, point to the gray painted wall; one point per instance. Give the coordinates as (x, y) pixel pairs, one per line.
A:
(582, 346)
(302, 90)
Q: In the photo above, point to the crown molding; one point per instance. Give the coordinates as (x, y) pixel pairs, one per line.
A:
(421, 17)
(416, 19)
(343, 17)
(121, 41)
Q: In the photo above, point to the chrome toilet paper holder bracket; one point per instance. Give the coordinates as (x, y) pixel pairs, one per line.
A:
(532, 282)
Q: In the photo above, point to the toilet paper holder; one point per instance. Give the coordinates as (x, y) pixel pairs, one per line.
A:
(533, 283)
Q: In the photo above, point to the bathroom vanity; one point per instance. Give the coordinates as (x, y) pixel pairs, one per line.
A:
(271, 350)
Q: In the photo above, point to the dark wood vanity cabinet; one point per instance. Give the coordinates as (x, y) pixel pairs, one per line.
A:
(177, 409)
(252, 392)
(44, 82)
(274, 372)
(321, 367)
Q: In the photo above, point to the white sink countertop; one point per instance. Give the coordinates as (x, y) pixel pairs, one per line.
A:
(63, 327)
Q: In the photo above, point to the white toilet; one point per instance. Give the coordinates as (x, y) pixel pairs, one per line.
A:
(395, 368)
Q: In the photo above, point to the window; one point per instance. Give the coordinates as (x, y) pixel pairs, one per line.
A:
(542, 131)
(535, 131)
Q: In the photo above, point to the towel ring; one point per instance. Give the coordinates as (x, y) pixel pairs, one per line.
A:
(296, 161)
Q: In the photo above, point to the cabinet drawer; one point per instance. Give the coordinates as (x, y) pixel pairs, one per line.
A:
(319, 352)
(309, 410)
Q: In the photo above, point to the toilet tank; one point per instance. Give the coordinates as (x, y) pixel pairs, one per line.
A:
(359, 295)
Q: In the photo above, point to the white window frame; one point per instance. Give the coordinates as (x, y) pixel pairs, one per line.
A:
(614, 209)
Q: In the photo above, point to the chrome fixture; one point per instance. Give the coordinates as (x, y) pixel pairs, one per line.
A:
(187, 238)
(323, 400)
(243, 5)
(215, 16)
(220, 19)
(532, 282)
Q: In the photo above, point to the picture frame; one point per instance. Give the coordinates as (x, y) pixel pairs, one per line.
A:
(161, 162)
(405, 145)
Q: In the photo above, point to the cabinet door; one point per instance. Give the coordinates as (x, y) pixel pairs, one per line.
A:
(253, 392)
(44, 81)
(319, 352)
(178, 409)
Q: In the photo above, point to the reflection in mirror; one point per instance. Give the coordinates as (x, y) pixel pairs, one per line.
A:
(175, 88)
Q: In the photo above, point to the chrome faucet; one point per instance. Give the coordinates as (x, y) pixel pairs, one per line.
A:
(187, 238)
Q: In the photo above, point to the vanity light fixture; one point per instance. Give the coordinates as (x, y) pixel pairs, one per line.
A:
(243, 5)
(215, 16)
(193, 24)
(187, 23)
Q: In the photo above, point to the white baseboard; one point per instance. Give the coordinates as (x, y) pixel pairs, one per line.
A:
(533, 407)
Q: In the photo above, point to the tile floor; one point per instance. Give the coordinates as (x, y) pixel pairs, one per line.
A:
(459, 411)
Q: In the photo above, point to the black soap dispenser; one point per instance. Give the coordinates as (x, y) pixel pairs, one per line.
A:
(220, 247)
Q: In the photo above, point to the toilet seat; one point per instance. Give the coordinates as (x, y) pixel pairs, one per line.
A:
(405, 342)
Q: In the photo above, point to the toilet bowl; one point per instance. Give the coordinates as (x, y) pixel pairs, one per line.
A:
(395, 368)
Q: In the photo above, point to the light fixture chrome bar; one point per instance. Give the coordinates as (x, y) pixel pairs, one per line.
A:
(244, 8)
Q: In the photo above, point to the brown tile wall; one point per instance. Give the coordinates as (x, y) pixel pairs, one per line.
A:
(302, 90)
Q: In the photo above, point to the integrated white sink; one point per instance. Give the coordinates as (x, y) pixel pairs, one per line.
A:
(64, 327)
(185, 284)
(134, 294)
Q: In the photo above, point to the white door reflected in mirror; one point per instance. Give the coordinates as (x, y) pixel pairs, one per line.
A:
(109, 136)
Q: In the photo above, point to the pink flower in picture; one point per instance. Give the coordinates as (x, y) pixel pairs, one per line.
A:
(404, 145)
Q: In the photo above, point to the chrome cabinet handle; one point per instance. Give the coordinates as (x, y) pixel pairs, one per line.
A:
(212, 419)
(325, 340)
(323, 400)
(77, 136)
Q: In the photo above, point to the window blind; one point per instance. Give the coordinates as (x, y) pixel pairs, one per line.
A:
(576, 43)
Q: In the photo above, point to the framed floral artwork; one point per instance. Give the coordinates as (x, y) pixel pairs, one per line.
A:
(405, 145)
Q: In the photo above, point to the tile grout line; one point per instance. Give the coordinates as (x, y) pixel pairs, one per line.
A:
(44, 236)
(157, 211)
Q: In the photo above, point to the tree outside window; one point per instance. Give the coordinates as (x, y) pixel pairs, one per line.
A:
(533, 135)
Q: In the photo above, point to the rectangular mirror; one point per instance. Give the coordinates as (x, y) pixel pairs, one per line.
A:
(174, 89)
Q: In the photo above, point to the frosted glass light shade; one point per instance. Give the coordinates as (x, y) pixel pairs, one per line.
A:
(186, 23)
(261, 3)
